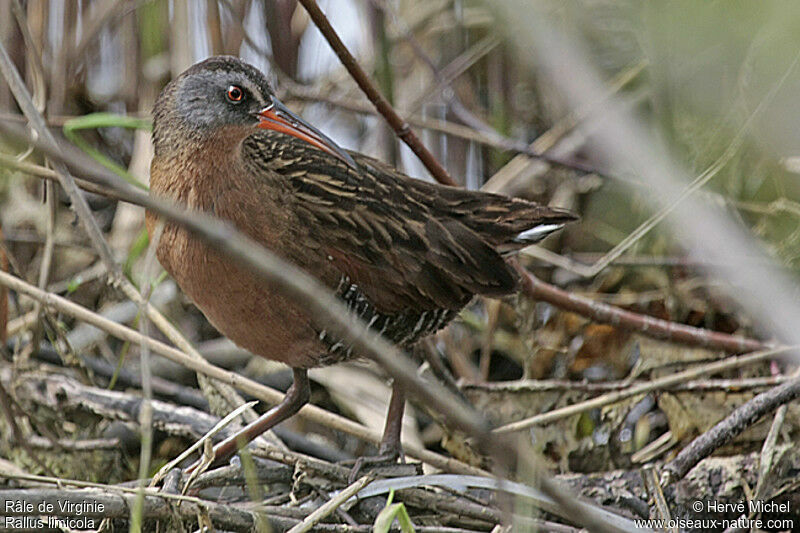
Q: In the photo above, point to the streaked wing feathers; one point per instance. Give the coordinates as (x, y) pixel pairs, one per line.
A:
(405, 242)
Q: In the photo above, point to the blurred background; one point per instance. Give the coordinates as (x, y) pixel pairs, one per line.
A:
(715, 82)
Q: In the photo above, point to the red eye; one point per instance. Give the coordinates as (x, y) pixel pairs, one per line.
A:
(235, 94)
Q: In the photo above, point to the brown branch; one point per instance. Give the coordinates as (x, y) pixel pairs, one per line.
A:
(400, 126)
(646, 325)
(731, 426)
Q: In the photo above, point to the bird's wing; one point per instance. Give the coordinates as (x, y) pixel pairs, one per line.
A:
(391, 236)
(508, 224)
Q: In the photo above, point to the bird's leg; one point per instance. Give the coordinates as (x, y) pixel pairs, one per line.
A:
(390, 448)
(296, 397)
(390, 443)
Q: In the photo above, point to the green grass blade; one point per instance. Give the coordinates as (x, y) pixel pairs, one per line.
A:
(387, 516)
(105, 120)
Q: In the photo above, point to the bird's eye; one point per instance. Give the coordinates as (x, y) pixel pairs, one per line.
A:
(235, 94)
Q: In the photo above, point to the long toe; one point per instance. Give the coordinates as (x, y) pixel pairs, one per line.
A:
(384, 464)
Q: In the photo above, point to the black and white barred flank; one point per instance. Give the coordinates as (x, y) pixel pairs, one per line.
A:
(402, 328)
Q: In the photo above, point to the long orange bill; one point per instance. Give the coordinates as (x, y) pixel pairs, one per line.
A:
(277, 117)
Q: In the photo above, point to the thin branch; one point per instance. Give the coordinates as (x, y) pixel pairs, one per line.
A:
(146, 411)
(331, 505)
(545, 385)
(766, 460)
(50, 238)
(656, 494)
(4, 324)
(732, 425)
(644, 324)
(383, 106)
(660, 383)
(486, 137)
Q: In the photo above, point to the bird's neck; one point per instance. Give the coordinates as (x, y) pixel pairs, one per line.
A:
(192, 172)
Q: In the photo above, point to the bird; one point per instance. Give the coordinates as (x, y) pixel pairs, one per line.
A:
(403, 254)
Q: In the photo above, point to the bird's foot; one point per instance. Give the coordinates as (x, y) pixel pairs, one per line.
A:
(385, 464)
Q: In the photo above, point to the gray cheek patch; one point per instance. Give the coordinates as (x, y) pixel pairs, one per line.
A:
(193, 105)
(201, 99)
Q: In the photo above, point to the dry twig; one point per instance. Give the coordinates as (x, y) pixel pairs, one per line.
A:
(383, 106)
(724, 431)
(646, 325)
(656, 384)
(331, 505)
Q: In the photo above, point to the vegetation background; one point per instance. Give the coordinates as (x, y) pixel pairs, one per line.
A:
(671, 128)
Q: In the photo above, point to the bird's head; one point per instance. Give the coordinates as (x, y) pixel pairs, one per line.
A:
(225, 92)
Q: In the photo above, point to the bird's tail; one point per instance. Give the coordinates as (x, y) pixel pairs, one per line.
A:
(510, 224)
(541, 228)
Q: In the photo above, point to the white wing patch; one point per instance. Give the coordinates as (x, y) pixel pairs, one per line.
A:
(537, 233)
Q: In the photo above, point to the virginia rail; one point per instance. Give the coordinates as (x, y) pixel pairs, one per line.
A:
(405, 255)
